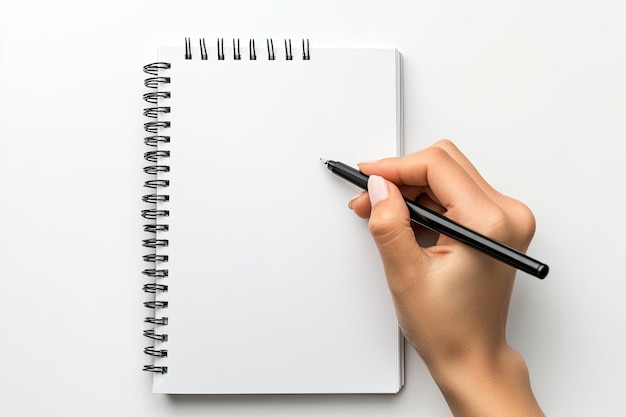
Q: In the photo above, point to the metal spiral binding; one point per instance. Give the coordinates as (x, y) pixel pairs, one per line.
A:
(203, 53)
(288, 54)
(156, 199)
(154, 288)
(252, 48)
(270, 50)
(155, 352)
(220, 49)
(221, 55)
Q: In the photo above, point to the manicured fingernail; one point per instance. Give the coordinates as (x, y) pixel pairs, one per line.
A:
(355, 197)
(364, 163)
(377, 188)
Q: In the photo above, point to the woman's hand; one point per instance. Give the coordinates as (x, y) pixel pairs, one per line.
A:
(452, 301)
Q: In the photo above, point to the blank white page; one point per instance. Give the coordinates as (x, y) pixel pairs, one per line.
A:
(275, 286)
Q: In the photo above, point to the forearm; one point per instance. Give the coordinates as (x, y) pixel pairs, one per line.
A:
(493, 384)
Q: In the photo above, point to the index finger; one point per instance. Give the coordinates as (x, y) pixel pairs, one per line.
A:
(435, 168)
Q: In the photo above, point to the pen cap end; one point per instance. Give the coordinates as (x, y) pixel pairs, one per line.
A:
(542, 271)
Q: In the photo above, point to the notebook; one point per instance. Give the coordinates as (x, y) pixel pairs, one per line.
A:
(259, 279)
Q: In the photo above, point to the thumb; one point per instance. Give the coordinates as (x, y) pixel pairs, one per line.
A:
(391, 229)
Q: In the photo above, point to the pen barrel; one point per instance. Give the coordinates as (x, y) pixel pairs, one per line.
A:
(441, 224)
(348, 173)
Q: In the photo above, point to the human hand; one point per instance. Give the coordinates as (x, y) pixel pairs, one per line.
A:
(451, 301)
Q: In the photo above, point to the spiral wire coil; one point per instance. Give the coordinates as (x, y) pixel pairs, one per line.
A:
(222, 54)
(155, 126)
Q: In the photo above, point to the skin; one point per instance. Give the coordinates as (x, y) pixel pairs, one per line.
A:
(451, 301)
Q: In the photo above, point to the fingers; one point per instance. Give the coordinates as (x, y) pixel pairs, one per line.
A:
(442, 178)
(465, 163)
(451, 185)
(392, 232)
(361, 205)
(522, 222)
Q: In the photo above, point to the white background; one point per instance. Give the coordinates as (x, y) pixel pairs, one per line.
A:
(534, 92)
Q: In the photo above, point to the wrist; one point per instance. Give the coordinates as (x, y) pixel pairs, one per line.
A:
(484, 383)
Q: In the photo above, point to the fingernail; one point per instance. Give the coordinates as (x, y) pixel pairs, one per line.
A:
(365, 163)
(377, 189)
(353, 199)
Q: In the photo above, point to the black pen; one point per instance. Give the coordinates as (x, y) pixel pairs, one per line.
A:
(441, 224)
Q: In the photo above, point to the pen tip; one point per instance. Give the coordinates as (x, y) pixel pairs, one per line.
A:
(325, 161)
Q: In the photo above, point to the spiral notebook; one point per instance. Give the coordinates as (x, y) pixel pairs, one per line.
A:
(259, 277)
